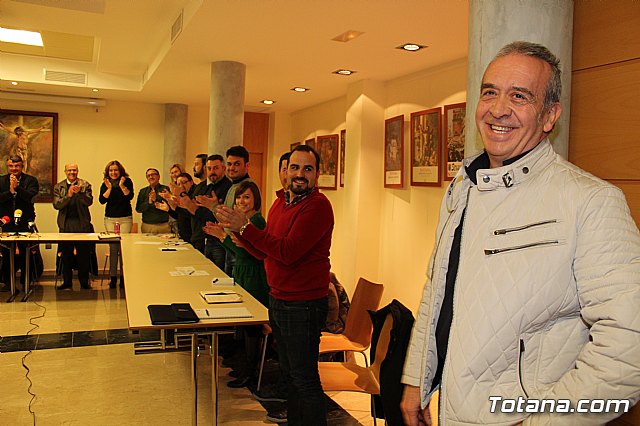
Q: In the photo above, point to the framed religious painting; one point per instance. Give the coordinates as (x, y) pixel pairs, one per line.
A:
(393, 152)
(343, 141)
(32, 136)
(327, 147)
(454, 131)
(426, 147)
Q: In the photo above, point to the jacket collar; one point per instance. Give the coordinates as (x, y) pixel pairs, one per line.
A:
(514, 173)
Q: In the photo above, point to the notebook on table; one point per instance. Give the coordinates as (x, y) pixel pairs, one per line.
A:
(212, 296)
(223, 313)
(176, 313)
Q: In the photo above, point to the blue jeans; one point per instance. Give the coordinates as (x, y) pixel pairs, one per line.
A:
(296, 328)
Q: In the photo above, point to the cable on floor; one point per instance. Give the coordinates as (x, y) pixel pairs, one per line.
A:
(24, 365)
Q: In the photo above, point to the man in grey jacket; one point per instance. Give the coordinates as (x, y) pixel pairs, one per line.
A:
(530, 311)
(72, 198)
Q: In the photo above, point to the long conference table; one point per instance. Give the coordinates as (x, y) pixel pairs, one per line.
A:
(158, 271)
(163, 271)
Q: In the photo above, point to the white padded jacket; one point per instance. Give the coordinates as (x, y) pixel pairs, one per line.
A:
(547, 296)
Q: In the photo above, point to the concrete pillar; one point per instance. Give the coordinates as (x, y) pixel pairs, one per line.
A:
(363, 179)
(175, 137)
(493, 24)
(226, 106)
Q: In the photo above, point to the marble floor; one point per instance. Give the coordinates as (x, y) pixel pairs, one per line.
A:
(83, 370)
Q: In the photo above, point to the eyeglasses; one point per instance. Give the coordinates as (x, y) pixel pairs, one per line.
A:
(152, 174)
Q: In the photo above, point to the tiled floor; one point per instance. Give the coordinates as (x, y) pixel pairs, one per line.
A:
(84, 372)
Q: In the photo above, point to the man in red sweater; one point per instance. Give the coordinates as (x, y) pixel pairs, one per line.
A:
(295, 247)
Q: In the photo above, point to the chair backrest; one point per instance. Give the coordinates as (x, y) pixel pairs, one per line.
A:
(134, 228)
(382, 346)
(366, 298)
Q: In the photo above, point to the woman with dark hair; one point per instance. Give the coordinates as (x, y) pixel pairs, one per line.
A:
(116, 192)
(247, 272)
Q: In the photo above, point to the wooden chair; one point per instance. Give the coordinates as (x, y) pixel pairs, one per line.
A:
(356, 336)
(348, 376)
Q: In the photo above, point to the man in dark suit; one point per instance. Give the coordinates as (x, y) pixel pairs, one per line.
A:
(72, 198)
(17, 192)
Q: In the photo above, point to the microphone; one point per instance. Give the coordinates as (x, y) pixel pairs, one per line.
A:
(16, 216)
(32, 227)
(4, 220)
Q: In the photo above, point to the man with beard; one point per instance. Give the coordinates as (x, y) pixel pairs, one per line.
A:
(199, 167)
(215, 192)
(295, 247)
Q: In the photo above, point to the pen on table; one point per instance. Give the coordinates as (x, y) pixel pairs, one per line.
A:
(214, 281)
(191, 272)
(207, 311)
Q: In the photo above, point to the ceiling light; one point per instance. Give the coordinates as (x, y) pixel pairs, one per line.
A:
(347, 36)
(300, 89)
(20, 36)
(344, 72)
(268, 101)
(411, 47)
(14, 83)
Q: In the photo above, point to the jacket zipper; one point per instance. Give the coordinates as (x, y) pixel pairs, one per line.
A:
(523, 227)
(520, 355)
(520, 247)
(453, 315)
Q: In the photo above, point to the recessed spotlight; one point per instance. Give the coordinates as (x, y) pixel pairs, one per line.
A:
(94, 90)
(14, 83)
(300, 89)
(268, 101)
(344, 72)
(411, 47)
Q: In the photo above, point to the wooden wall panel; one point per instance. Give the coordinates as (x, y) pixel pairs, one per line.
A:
(605, 32)
(631, 190)
(255, 139)
(604, 137)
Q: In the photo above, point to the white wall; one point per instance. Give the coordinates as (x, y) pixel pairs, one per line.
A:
(132, 133)
(405, 219)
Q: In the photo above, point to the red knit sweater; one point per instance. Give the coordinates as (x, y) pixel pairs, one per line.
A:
(295, 247)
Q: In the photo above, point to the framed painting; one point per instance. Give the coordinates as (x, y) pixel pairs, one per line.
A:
(343, 141)
(312, 143)
(33, 136)
(293, 145)
(327, 147)
(426, 147)
(454, 131)
(393, 152)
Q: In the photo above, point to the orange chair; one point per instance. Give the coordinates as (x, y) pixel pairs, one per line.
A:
(356, 336)
(347, 376)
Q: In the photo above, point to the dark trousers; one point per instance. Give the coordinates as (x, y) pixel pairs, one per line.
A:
(19, 263)
(82, 261)
(215, 252)
(296, 328)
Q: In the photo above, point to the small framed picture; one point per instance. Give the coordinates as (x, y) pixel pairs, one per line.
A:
(426, 147)
(454, 131)
(393, 152)
(293, 145)
(327, 147)
(343, 141)
(311, 142)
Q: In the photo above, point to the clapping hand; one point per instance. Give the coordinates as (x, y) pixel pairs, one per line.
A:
(161, 206)
(208, 201)
(215, 230)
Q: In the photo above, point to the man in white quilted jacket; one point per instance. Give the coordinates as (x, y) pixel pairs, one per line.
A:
(531, 310)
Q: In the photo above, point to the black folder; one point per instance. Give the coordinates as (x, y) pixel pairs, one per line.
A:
(176, 313)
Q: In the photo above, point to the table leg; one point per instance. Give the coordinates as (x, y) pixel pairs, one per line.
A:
(12, 269)
(194, 377)
(27, 278)
(214, 377)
